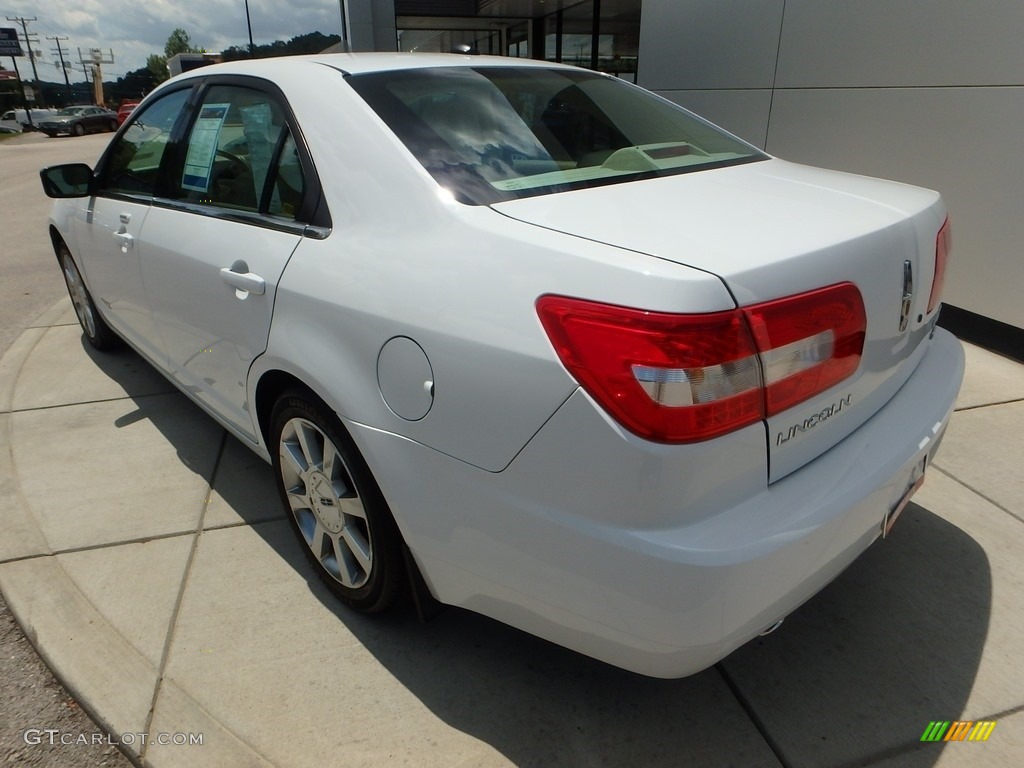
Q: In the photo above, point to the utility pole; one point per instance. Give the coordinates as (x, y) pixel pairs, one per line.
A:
(248, 21)
(10, 45)
(85, 67)
(64, 67)
(96, 62)
(30, 37)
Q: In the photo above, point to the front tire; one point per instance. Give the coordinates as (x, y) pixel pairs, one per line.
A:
(334, 504)
(78, 129)
(94, 327)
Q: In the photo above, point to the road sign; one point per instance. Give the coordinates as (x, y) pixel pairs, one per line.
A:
(9, 43)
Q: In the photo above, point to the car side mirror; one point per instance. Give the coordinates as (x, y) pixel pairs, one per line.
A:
(71, 180)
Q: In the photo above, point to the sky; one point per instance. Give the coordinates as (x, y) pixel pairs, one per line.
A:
(134, 29)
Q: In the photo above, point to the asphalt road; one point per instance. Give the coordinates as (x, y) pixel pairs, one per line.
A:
(30, 697)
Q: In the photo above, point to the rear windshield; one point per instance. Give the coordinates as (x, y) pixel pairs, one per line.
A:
(491, 134)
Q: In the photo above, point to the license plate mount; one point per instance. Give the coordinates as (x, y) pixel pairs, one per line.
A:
(916, 481)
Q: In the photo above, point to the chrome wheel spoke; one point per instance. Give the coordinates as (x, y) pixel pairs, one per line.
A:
(298, 500)
(293, 459)
(331, 462)
(79, 297)
(90, 322)
(317, 543)
(308, 437)
(352, 507)
(347, 574)
(359, 547)
(306, 521)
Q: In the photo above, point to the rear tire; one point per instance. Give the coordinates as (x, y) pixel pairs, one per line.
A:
(95, 328)
(335, 506)
(113, 126)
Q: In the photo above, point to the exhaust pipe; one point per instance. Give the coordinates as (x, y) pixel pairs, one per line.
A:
(772, 628)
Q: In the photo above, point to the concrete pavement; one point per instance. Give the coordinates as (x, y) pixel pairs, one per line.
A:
(145, 555)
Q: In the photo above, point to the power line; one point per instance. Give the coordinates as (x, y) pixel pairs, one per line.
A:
(30, 37)
(64, 67)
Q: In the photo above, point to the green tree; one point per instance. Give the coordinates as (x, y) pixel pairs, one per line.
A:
(311, 42)
(157, 66)
(179, 42)
(133, 85)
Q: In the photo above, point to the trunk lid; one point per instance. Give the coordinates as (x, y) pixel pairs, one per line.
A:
(774, 229)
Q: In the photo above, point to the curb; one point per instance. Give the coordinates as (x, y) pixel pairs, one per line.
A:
(112, 681)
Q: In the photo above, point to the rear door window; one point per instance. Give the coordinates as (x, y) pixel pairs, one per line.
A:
(237, 142)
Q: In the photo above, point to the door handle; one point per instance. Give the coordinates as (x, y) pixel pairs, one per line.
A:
(244, 281)
(127, 241)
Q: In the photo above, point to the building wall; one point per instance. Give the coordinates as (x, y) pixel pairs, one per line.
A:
(930, 93)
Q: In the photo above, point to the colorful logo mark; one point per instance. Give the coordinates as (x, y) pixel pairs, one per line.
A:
(958, 730)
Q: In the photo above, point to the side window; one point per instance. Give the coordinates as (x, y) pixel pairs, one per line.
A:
(133, 164)
(231, 151)
(289, 183)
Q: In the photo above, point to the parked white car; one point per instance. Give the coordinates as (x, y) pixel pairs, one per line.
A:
(526, 338)
(17, 120)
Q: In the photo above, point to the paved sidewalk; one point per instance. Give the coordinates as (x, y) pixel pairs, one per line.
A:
(144, 554)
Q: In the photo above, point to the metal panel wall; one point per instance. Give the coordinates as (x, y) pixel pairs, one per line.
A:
(927, 93)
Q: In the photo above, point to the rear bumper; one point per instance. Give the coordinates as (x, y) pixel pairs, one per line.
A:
(659, 587)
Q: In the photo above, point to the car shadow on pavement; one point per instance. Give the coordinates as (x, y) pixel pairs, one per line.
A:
(853, 677)
(856, 675)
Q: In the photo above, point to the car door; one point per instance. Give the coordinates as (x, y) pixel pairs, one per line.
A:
(87, 119)
(100, 119)
(215, 253)
(107, 230)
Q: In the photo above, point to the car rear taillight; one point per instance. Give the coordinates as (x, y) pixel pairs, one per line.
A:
(682, 378)
(943, 245)
(666, 377)
(808, 342)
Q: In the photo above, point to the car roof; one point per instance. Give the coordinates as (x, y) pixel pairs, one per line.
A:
(361, 63)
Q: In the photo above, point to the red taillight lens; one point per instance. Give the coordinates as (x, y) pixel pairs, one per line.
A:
(808, 342)
(684, 378)
(666, 377)
(943, 245)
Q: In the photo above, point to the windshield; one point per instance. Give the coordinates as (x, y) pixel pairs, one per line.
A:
(490, 134)
(70, 111)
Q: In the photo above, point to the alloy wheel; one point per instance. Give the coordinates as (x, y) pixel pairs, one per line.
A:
(79, 296)
(325, 503)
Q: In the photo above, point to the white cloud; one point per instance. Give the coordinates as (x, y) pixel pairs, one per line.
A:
(134, 29)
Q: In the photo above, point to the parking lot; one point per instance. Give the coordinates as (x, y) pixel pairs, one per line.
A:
(145, 555)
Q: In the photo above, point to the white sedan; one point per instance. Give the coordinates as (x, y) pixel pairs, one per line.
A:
(526, 339)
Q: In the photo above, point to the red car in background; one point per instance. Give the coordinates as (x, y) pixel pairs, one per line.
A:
(126, 108)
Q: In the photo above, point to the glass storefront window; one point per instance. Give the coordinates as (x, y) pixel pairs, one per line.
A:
(485, 41)
(567, 35)
(518, 41)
